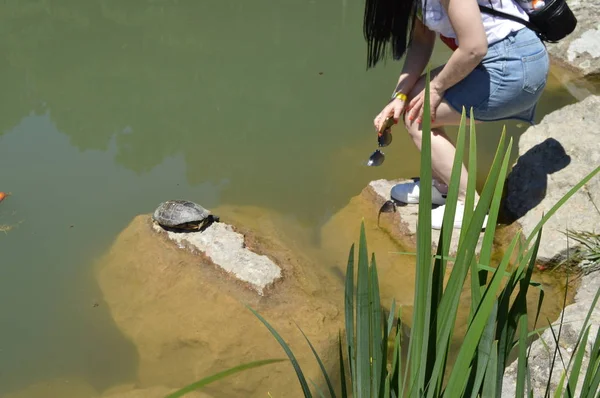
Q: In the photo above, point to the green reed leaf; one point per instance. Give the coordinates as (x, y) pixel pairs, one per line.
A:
(342, 369)
(376, 331)
(325, 375)
(288, 351)
(592, 368)
(460, 374)
(221, 375)
(489, 382)
(363, 323)
(574, 377)
(349, 317)
(421, 316)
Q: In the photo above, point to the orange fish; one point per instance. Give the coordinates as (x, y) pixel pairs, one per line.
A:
(3, 196)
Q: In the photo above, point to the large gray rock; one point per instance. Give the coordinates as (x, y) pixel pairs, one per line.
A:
(553, 157)
(580, 50)
(227, 249)
(542, 350)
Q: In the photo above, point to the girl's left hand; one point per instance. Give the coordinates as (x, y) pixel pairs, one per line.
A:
(414, 109)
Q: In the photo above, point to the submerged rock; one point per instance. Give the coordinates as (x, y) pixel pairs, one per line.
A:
(580, 50)
(189, 320)
(553, 157)
(542, 350)
(227, 249)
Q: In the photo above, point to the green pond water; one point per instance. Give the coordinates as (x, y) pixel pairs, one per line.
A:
(110, 107)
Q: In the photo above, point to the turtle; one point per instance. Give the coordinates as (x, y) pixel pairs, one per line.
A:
(389, 206)
(183, 215)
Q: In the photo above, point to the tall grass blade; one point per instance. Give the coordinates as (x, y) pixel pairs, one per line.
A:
(363, 323)
(397, 379)
(289, 353)
(489, 382)
(472, 180)
(376, 339)
(592, 366)
(522, 359)
(396, 357)
(574, 377)
(443, 248)
(344, 390)
(221, 375)
(508, 316)
(420, 324)
(561, 382)
(325, 375)
(317, 388)
(518, 316)
(488, 236)
(349, 317)
(483, 352)
(470, 205)
(391, 316)
(479, 276)
(594, 385)
(460, 374)
(386, 387)
(448, 306)
(452, 197)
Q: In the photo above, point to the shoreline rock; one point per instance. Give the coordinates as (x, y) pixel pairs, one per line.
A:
(553, 157)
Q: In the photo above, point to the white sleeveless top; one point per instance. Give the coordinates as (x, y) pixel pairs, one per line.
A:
(496, 28)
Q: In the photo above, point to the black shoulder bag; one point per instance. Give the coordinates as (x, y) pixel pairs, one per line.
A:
(552, 23)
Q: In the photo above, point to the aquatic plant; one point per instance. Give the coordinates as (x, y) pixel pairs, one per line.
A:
(587, 254)
(498, 319)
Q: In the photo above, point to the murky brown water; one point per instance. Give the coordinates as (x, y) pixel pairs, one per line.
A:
(111, 107)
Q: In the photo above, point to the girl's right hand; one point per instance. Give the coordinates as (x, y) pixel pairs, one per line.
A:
(394, 108)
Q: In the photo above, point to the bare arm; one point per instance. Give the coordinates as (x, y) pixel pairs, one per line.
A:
(417, 57)
(465, 18)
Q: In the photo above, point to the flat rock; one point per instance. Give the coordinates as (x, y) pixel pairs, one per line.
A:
(404, 224)
(580, 50)
(189, 319)
(542, 349)
(226, 248)
(553, 157)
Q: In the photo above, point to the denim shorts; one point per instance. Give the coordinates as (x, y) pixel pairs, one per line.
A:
(507, 83)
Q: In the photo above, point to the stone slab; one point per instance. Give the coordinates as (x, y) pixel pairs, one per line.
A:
(226, 248)
(553, 157)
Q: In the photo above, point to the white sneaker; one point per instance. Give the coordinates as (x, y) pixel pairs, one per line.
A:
(408, 192)
(437, 216)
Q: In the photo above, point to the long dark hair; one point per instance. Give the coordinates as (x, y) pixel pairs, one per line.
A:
(388, 21)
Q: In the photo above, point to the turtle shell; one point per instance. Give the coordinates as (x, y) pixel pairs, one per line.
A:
(175, 212)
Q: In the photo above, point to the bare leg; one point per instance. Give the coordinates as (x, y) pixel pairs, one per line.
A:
(442, 157)
(442, 148)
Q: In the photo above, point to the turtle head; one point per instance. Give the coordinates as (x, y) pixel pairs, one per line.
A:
(215, 218)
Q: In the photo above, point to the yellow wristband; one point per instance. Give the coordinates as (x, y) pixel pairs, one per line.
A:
(401, 96)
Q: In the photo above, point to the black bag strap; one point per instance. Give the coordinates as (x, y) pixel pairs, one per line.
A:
(508, 16)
